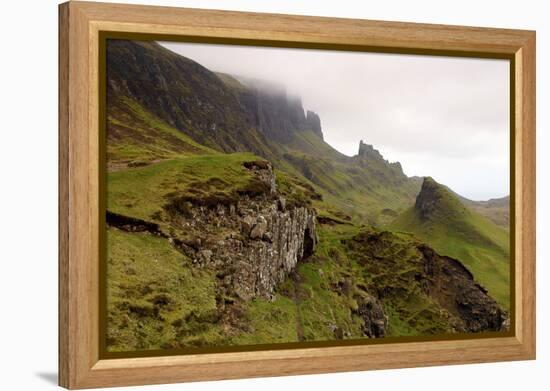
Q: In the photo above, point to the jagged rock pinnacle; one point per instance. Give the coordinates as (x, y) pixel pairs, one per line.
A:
(428, 197)
(367, 150)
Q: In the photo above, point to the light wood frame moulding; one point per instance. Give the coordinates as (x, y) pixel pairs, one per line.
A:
(80, 24)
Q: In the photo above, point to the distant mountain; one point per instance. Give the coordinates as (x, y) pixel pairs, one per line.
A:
(161, 104)
(440, 219)
(496, 209)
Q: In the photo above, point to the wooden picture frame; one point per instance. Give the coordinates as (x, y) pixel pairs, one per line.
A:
(80, 26)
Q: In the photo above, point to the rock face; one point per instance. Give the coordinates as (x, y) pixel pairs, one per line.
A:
(131, 224)
(427, 199)
(453, 286)
(375, 322)
(453, 301)
(253, 243)
(313, 122)
(434, 198)
(277, 115)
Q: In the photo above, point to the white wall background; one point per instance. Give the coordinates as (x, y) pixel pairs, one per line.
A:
(28, 194)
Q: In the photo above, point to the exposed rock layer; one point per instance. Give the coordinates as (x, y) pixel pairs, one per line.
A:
(452, 285)
(254, 241)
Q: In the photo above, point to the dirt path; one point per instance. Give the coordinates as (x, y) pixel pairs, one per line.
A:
(113, 167)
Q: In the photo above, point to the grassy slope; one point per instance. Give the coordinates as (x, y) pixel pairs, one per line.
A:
(458, 232)
(495, 210)
(155, 298)
(306, 308)
(136, 136)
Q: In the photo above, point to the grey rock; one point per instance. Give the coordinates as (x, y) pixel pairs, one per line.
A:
(281, 204)
(375, 322)
(259, 228)
(247, 223)
(258, 245)
(204, 256)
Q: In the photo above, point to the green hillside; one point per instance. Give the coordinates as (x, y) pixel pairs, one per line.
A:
(151, 288)
(138, 137)
(441, 220)
(232, 222)
(142, 192)
(157, 294)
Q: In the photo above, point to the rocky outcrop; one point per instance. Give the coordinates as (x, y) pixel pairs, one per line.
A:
(375, 321)
(313, 123)
(372, 160)
(452, 285)
(410, 272)
(253, 242)
(277, 115)
(428, 198)
(434, 199)
(367, 151)
(131, 224)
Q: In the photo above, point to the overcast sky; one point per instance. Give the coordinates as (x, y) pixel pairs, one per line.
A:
(439, 116)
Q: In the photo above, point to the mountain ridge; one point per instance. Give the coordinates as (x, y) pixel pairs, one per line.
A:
(218, 112)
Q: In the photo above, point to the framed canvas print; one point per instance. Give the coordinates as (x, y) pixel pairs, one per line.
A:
(248, 195)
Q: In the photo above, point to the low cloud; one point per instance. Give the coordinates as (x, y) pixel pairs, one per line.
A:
(439, 116)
